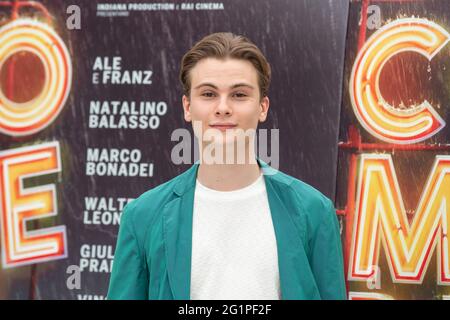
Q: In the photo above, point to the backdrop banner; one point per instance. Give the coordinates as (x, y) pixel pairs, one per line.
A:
(393, 186)
(90, 103)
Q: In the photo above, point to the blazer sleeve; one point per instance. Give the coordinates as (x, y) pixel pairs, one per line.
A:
(326, 259)
(129, 276)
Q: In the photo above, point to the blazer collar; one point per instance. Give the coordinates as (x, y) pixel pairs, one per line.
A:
(187, 179)
(178, 214)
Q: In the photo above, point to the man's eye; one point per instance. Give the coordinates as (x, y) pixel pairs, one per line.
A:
(208, 94)
(239, 95)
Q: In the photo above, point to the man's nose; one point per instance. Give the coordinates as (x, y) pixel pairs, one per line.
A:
(223, 107)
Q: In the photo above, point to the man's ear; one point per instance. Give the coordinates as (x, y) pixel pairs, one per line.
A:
(264, 109)
(187, 108)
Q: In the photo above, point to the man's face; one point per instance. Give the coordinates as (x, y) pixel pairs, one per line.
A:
(225, 96)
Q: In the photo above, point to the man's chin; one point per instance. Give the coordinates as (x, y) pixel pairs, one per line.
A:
(221, 141)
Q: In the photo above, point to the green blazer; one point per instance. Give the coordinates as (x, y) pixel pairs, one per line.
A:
(153, 254)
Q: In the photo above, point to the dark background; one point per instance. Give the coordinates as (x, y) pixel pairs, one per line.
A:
(304, 43)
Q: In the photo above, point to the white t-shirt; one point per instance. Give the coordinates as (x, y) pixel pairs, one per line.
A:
(234, 251)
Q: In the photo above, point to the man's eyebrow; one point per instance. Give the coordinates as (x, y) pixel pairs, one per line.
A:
(237, 85)
(206, 84)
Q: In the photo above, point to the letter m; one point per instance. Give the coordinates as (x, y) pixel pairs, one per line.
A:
(380, 216)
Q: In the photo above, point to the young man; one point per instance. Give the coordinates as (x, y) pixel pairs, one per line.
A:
(228, 228)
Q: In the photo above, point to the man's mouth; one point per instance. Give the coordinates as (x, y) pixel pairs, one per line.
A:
(223, 126)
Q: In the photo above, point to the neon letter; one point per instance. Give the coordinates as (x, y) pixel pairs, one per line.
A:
(21, 119)
(380, 211)
(378, 117)
(19, 205)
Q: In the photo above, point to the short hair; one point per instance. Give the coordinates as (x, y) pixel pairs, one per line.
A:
(223, 45)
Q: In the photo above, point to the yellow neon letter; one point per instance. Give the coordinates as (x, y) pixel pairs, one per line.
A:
(378, 117)
(25, 35)
(19, 205)
(380, 213)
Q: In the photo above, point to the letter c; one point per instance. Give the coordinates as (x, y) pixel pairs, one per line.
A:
(376, 116)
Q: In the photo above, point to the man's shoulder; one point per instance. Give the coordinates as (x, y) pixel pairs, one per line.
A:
(154, 195)
(300, 193)
(149, 203)
(299, 187)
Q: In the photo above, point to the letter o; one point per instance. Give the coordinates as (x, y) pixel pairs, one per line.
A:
(21, 119)
(135, 155)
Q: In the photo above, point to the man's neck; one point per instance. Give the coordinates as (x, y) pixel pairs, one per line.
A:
(228, 177)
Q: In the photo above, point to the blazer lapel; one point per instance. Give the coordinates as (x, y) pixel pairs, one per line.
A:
(178, 235)
(289, 244)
